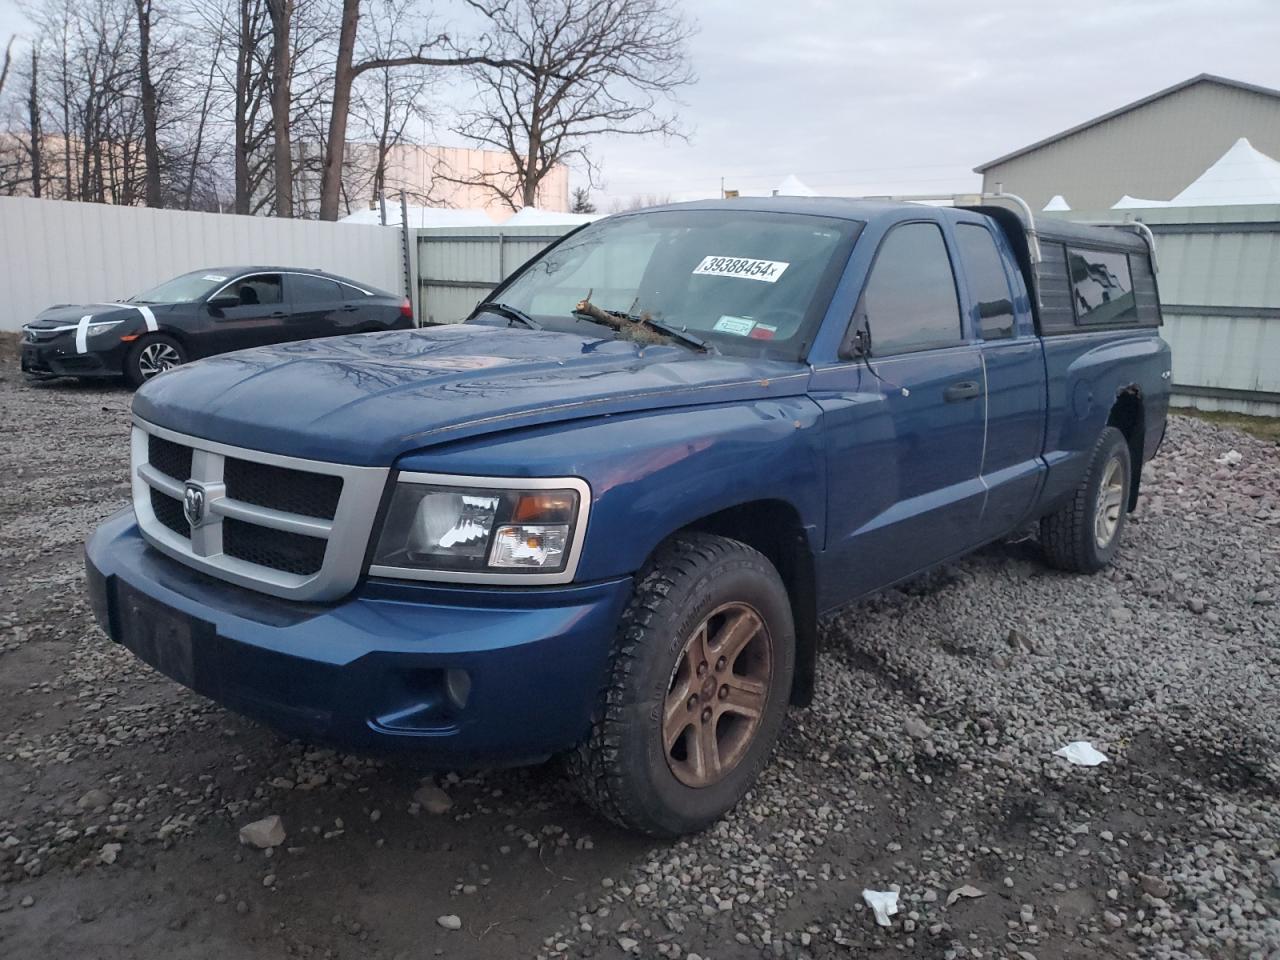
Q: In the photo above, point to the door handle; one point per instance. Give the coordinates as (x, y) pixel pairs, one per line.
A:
(349, 308)
(278, 315)
(961, 390)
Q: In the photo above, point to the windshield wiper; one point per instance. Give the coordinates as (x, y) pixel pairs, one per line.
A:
(633, 322)
(511, 313)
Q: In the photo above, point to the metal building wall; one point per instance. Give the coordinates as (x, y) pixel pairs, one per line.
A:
(1152, 151)
(457, 266)
(1220, 287)
(56, 251)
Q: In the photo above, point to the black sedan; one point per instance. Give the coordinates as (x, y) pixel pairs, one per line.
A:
(199, 314)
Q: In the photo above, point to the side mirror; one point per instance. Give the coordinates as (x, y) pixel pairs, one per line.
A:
(857, 339)
(222, 303)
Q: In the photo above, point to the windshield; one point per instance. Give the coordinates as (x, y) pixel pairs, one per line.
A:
(752, 283)
(184, 289)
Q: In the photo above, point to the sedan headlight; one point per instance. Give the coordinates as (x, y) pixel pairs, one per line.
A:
(102, 326)
(449, 528)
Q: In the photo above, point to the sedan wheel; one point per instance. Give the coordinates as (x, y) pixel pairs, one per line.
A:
(151, 357)
(157, 358)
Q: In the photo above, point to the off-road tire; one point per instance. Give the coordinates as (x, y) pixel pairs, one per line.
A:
(622, 769)
(134, 375)
(1067, 536)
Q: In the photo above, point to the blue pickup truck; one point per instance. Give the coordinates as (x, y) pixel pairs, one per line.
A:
(602, 518)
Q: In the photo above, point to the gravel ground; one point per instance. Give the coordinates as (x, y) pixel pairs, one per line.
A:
(924, 766)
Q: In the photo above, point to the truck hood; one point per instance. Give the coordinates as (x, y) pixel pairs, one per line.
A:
(370, 398)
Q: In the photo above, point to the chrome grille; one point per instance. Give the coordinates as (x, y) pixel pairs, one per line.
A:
(283, 525)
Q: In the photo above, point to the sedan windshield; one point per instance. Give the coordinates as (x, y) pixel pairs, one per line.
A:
(187, 288)
(751, 283)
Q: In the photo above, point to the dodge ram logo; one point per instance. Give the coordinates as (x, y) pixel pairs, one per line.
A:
(193, 504)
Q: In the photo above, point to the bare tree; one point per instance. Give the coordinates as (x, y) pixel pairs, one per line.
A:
(571, 70)
(147, 93)
(281, 14)
(389, 51)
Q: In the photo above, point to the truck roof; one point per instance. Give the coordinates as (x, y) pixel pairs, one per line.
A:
(871, 208)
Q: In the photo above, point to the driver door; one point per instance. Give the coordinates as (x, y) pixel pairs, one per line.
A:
(257, 317)
(904, 426)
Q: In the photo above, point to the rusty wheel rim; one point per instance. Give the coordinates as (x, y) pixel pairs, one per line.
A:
(717, 694)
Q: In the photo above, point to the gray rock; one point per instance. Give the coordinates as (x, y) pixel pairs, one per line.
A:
(263, 834)
(432, 799)
(450, 921)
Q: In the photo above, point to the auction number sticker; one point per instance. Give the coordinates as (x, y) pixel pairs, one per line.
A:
(767, 271)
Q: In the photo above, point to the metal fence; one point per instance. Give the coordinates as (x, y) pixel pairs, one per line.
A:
(54, 251)
(1220, 286)
(457, 266)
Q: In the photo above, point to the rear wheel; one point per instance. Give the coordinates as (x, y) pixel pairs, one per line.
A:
(698, 688)
(152, 355)
(1084, 534)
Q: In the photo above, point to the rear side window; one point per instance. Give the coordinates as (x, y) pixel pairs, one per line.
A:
(352, 293)
(987, 281)
(910, 298)
(1101, 287)
(309, 289)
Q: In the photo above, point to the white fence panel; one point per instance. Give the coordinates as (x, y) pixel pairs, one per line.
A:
(458, 266)
(54, 251)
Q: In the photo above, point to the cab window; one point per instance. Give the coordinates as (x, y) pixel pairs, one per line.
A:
(910, 300)
(988, 283)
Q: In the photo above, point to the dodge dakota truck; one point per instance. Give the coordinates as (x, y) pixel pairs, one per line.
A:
(600, 519)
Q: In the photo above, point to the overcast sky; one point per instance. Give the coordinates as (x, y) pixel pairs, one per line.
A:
(907, 96)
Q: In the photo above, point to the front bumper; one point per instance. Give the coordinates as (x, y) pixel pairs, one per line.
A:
(58, 358)
(379, 670)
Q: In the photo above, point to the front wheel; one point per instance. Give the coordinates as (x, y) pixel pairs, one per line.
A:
(1084, 534)
(152, 355)
(697, 692)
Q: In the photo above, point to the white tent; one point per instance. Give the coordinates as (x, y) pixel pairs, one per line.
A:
(793, 187)
(1057, 202)
(534, 216)
(1243, 174)
(1132, 203)
(420, 217)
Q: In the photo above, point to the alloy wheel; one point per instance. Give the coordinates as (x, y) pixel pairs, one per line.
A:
(1106, 515)
(157, 358)
(717, 695)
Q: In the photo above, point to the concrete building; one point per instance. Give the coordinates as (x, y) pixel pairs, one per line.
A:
(1152, 148)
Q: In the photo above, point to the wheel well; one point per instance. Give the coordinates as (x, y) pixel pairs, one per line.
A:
(1127, 417)
(773, 527)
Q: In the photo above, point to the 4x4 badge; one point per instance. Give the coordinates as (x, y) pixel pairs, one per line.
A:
(193, 504)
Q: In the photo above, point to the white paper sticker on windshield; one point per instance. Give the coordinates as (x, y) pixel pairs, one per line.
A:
(741, 326)
(214, 277)
(767, 271)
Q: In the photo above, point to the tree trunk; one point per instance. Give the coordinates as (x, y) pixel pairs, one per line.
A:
(281, 12)
(530, 172)
(33, 107)
(150, 141)
(243, 62)
(335, 149)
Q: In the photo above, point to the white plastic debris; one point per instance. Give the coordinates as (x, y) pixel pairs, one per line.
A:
(968, 891)
(1230, 458)
(1081, 753)
(884, 903)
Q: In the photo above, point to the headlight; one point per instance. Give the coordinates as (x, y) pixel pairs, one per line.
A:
(102, 326)
(449, 528)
